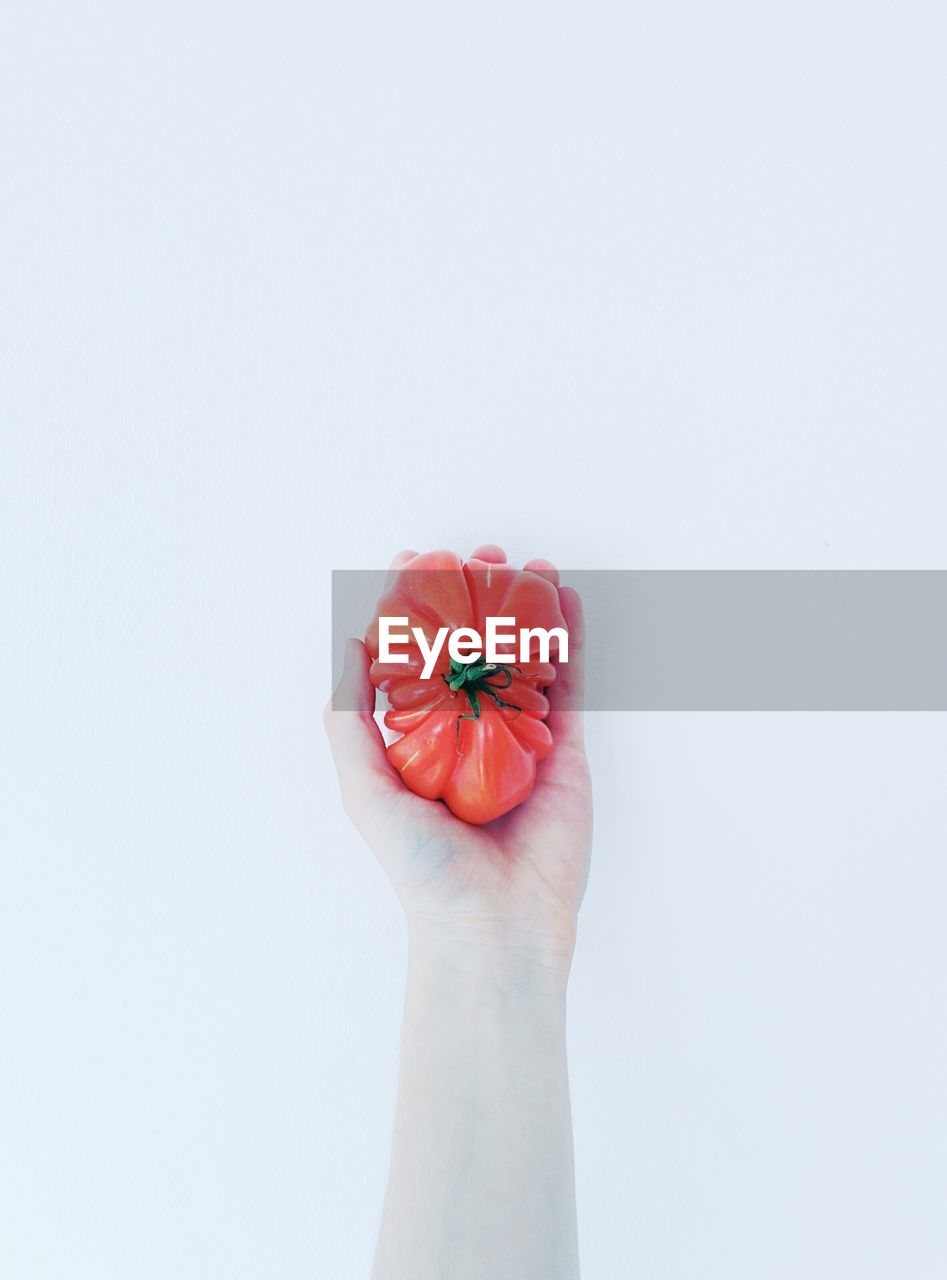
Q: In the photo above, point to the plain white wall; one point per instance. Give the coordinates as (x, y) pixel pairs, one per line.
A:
(288, 288)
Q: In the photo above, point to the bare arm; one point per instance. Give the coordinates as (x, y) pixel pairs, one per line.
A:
(481, 1180)
(481, 1172)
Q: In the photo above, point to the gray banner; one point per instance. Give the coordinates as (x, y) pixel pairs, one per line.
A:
(739, 640)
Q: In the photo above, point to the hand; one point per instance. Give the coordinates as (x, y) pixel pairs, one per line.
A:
(510, 889)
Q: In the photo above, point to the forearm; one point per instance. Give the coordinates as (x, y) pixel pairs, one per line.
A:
(482, 1181)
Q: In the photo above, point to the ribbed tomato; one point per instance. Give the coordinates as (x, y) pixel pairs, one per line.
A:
(471, 736)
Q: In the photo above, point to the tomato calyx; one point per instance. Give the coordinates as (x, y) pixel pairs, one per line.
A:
(474, 678)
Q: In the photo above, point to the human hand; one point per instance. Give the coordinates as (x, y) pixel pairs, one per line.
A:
(509, 890)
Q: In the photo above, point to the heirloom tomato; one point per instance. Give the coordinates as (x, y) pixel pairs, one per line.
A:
(472, 734)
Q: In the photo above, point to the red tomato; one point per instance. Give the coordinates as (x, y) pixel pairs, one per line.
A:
(471, 736)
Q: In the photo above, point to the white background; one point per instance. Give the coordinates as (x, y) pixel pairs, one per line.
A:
(286, 288)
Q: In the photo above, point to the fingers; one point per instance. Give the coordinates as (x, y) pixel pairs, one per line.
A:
(358, 746)
(567, 691)
(489, 552)
(493, 554)
(400, 560)
(545, 568)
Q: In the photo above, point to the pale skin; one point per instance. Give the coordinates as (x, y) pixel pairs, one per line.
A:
(481, 1183)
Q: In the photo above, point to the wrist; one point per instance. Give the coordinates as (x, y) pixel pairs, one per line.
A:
(492, 958)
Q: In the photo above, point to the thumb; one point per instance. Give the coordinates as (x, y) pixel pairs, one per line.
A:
(358, 746)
